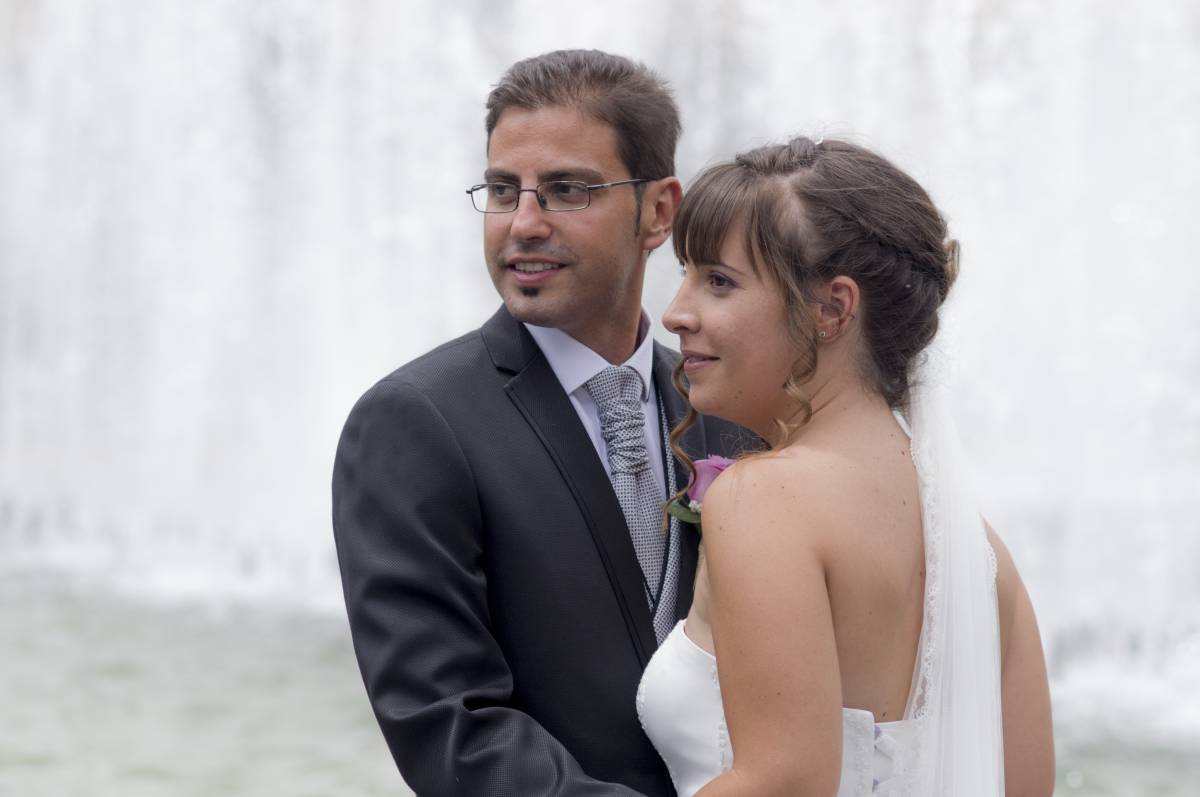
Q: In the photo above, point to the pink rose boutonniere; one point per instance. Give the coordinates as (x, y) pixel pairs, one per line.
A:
(687, 506)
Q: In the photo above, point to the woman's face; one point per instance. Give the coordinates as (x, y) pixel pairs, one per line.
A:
(732, 330)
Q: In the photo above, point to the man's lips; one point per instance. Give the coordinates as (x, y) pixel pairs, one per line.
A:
(529, 271)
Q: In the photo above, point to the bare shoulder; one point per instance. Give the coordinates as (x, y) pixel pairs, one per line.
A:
(766, 496)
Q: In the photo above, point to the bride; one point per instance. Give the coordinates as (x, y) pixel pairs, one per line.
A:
(857, 628)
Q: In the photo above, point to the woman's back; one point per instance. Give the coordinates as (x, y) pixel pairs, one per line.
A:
(875, 573)
(853, 502)
(863, 486)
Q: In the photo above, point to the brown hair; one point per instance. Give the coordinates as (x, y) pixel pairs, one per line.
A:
(615, 90)
(811, 211)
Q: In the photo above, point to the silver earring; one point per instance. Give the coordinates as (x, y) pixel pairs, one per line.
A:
(821, 334)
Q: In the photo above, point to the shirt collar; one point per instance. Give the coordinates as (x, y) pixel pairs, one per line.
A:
(574, 363)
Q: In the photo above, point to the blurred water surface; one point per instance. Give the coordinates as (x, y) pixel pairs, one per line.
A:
(114, 697)
(221, 221)
(117, 698)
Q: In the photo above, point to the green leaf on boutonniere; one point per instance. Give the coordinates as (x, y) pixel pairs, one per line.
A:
(682, 509)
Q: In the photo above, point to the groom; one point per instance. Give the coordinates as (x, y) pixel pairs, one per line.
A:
(497, 502)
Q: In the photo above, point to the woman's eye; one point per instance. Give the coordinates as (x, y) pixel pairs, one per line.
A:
(719, 281)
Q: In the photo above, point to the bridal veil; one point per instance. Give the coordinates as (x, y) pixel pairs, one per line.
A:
(955, 696)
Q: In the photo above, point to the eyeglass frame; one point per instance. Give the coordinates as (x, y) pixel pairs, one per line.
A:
(541, 200)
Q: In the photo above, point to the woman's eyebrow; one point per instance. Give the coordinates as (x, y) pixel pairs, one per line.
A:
(719, 264)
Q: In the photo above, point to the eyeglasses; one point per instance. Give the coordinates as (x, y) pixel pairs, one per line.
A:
(556, 195)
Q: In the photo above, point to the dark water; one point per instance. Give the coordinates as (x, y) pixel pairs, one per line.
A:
(103, 695)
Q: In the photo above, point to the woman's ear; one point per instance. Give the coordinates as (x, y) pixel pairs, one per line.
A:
(839, 306)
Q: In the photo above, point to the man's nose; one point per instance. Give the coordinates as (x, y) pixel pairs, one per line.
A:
(529, 220)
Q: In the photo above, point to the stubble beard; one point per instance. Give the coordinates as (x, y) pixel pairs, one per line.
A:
(555, 316)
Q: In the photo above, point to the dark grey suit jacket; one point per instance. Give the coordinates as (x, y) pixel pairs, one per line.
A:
(494, 596)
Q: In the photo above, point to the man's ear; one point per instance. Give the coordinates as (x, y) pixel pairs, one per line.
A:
(659, 203)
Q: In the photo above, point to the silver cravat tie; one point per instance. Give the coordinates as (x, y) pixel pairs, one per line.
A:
(618, 393)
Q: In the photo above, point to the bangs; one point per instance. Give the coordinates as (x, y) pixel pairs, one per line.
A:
(724, 197)
(710, 209)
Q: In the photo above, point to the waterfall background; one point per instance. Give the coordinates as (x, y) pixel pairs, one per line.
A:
(221, 221)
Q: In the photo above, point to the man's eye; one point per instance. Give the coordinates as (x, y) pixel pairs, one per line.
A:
(502, 190)
(569, 190)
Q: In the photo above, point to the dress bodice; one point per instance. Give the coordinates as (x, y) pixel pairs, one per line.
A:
(679, 705)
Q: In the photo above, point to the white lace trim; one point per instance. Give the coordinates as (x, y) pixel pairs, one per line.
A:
(924, 692)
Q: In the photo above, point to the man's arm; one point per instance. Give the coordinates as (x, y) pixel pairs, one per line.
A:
(408, 528)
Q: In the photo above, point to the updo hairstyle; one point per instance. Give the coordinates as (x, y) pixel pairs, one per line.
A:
(815, 210)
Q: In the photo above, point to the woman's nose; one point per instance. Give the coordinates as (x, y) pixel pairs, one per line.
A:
(679, 317)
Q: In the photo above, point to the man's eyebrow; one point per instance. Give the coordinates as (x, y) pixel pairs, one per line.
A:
(499, 176)
(576, 173)
(579, 174)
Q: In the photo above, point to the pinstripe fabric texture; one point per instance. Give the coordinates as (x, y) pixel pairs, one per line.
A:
(664, 613)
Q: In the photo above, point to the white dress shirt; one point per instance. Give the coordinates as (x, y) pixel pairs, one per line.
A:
(574, 364)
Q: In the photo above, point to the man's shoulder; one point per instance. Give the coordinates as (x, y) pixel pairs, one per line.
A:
(450, 368)
(461, 356)
(494, 351)
(460, 372)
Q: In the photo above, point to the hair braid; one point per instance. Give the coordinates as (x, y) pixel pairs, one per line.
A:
(813, 211)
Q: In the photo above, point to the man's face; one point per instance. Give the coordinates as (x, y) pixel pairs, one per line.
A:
(580, 271)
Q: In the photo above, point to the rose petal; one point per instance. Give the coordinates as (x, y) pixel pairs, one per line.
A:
(706, 470)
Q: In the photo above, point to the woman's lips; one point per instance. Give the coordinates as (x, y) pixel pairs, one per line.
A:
(696, 362)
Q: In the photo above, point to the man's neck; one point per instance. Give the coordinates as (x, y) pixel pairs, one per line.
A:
(616, 344)
(574, 362)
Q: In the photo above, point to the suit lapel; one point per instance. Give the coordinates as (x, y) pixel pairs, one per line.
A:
(539, 396)
(676, 408)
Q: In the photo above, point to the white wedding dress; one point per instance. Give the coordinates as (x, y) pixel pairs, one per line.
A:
(679, 704)
(949, 742)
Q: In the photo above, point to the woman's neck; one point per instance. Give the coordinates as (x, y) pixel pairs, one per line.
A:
(841, 413)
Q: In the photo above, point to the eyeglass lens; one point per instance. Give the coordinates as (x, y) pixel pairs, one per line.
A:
(555, 195)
